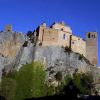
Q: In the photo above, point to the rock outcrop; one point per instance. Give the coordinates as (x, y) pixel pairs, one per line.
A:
(55, 58)
(10, 44)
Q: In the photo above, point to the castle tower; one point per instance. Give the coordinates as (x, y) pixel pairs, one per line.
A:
(8, 28)
(92, 47)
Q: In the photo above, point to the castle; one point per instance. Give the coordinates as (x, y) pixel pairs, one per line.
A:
(59, 34)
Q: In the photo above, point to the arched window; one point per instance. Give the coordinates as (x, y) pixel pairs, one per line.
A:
(64, 36)
(89, 35)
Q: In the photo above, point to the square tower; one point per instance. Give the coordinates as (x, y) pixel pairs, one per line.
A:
(8, 28)
(92, 47)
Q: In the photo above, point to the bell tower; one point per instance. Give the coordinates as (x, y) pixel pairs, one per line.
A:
(92, 47)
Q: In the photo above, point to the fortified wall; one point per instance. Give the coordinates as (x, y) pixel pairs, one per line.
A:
(59, 34)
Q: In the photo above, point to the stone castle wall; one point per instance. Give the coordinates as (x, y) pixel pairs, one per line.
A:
(60, 35)
(49, 38)
(78, 45)
(63, 38)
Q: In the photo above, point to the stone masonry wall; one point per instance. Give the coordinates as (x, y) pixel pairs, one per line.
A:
(55, 37)
(78, 45)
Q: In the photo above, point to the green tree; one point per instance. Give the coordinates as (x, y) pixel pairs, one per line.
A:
(83, 81)
(7, 88)
(30, 81)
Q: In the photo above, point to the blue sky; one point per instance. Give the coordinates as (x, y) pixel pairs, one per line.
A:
(24, 15)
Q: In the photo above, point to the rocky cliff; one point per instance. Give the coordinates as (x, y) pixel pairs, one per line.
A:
(13, 55)
(10, 44)
(55, 59)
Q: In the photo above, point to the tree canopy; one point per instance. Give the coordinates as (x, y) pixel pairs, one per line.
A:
(28, 82)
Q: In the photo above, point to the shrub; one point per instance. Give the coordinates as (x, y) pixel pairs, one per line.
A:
(58, 76)
(81, 82)
(30, 34)
(40, 44)
(50, 90)
(67, 49)
(8, 88)
(25, 44)
(26, 83)
(80, 57)
(30, 81)
(84, 58)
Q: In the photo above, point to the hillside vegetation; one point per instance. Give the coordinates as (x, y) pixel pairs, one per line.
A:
(27, 82)
(30, 82)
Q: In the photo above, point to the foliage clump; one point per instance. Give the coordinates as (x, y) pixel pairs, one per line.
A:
(28, 82)
(67, 49)
(32, 36)
(82, 83)
(40, 44)
(25, 44)
(29, 34)
(80, 57)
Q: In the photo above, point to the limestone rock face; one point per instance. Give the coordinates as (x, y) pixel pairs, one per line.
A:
(10, 44)
(55, 59)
